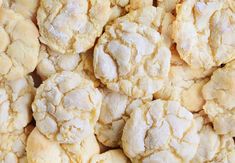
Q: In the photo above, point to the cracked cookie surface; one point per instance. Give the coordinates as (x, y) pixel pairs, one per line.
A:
(16, 98)
(205, 32)
(219, 94)
(131, 56)
(85, 20)
(160, 131)
(19, 45)
(66, 107)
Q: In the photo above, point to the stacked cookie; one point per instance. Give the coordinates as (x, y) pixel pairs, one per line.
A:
(102, 81)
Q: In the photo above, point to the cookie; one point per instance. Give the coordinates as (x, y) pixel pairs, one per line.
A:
(184, 84)
(12, 146)
(114, 156)
(66, 107)
(84, 23)
(219, 94)
(16, 98)
(168, 5)
(51, 62)
(160, 131)
(26, 8)
(131, 56)
(19, 45)
(122, 7)
(115, 109)
(205, 32)
(41, 150)
(212, 147)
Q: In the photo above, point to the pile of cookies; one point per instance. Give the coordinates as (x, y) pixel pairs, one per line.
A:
(117, 81)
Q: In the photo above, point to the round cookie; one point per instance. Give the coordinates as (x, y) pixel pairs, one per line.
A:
(212, 147)
(19, 45)
(219, 94)
(27, 8)
(184, 84)
(84, 20)
(12, 146)
(115, 109)
(131, 57)
(16, 98)
(160, 131)
(41, 150)
(111, 156)
(51, 62)
(205, 32)
(66, 107)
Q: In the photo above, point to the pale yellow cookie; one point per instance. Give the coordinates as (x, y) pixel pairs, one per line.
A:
(41, 150)
(184, 84)
(19, 45)
(12, 146)
(27, 8)
(16, 98)
(72, 26)
(168, 5)
(122, 7)
(115, 109)
(160, 131)
(51, 62)
(219, 94)
(66, 107)
(131, 56)
(205, 32)
(213, 147)
(111, 156)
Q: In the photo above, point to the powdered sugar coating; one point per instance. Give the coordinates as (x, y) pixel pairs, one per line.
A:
(160, 131)
(66, 107)
(131, 57)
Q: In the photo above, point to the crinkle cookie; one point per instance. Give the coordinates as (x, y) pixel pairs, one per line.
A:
(205, 32)
(111, 156)
(84, 20)
(16, 98)
(51, 62)
(66, 107)
(19, 45)
(41, 150)
(12, 146)
(160, 131)
(219, 94)
(131, 57)
(212, 147)
(115, 109)
(184, 84)
(27, 8)
(168, 5)
(121, 7)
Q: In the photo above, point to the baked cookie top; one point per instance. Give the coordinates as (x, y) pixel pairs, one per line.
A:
(84, 20)
(66, 107)
(16, 98)
(19, 45)
(13, 144)
(160, 131)
(212, 147)
(219, 94)
(205, 32)
(131, 56)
